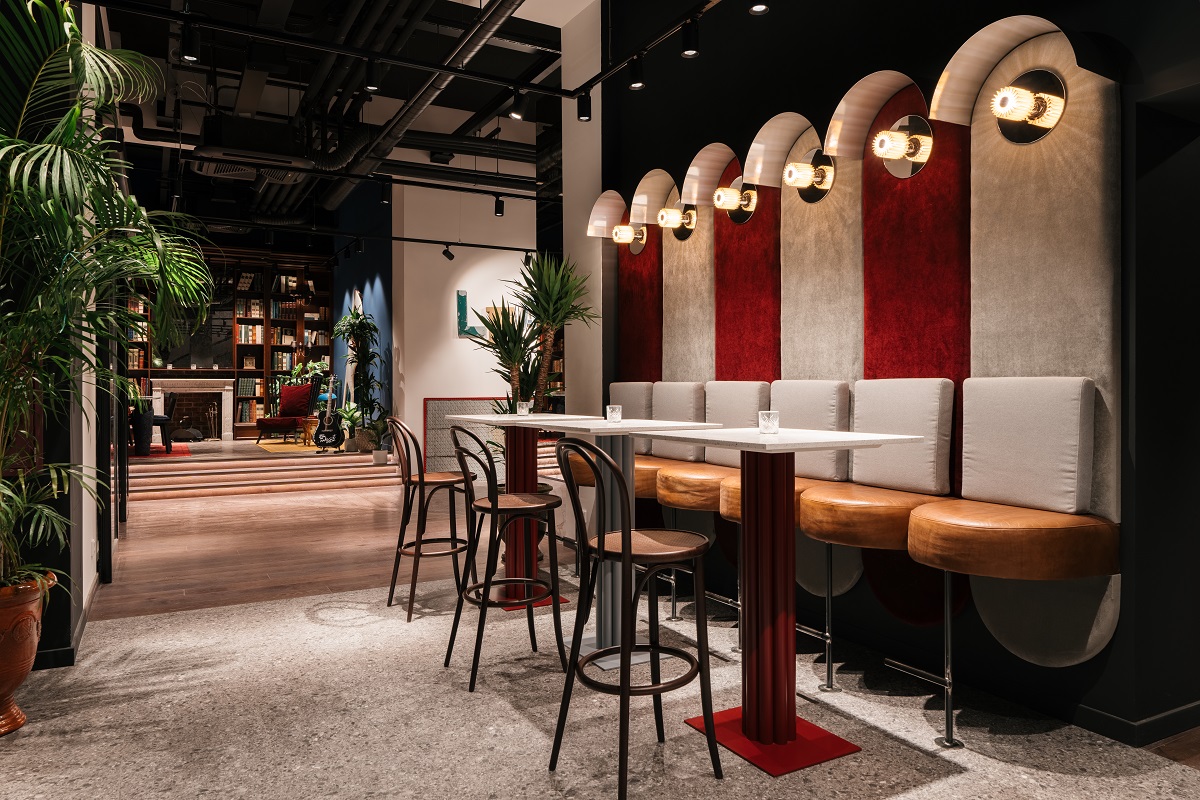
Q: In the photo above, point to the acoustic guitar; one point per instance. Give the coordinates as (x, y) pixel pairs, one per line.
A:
(329, 431)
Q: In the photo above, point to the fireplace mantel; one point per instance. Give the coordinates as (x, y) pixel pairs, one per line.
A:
(198, 386)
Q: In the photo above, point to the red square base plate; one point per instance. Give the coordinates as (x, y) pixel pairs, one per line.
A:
(812, 745)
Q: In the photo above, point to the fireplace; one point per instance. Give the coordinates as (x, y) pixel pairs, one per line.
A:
(185, 387)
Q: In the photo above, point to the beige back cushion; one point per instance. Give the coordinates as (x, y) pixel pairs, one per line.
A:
(682, 401)
(734, 404)
(636, 401)
(820, 406)
(913, 406)
(1028, 442)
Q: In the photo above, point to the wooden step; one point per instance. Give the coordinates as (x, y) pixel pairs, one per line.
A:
(164, 465)
(261, 475)
(216, 489)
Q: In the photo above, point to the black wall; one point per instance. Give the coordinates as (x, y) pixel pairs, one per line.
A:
(1145, 685)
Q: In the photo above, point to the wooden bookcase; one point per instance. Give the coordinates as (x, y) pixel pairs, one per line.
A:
(271, 330)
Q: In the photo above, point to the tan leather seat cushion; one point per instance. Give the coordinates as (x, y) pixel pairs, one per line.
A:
(731, 495)
(645, 473)
(1000, 541)
(693, 485)
(860, 516)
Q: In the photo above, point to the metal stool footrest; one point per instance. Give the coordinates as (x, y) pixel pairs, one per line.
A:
(409, 548)
(539, 589)
(639, 689)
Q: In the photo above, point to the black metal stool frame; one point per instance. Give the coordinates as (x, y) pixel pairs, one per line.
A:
(408, 455)
(593, 457)
(480, 592)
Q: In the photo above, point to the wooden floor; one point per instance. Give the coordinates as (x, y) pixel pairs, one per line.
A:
(178, 555)
(1183, 747)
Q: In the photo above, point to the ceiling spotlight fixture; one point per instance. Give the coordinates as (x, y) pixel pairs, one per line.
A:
(359, 246)
(520, 105)
(189, 48)
(691, 39)
(528, 259)
(1036, 108)
(627, 234)
(583, 107)
(893, 145)
(385, 193)
(371, 84)
(801, 175)
(499, 208)
(447, 254)
(676, 218)
(728, 198)
(636, 79)
(758, 9)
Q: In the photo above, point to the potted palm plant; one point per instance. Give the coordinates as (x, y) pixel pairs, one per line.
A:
(361, 335)
(75, 249)
(553, 293)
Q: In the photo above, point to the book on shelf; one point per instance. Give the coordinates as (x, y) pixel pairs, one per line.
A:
(316, 338)
(249, 334)
(248, 281)
(139, 332)
(282, 361)
(283, 335)
(137, 305)
(135, 358)
(248, 307)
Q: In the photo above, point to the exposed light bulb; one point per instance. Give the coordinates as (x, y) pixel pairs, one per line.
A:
(758, 9)
(801, 175)
(1012, 102)
(918, 148)
(890, 145)
(675, 218)
(627, 234)
(1047, 110)
(727, 199)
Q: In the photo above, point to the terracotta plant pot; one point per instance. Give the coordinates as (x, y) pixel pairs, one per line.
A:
(20, 630)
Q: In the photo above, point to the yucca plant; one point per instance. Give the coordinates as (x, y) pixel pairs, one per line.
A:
(361, 335)
(512, 339)
(553, 293)
(75, 248)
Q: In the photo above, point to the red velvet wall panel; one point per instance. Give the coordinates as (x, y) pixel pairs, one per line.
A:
(747, 282)
(640, 309)
(916, 261)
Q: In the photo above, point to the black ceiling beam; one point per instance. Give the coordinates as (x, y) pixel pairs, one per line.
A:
(502, 100)
(507, 35)
(266, 35)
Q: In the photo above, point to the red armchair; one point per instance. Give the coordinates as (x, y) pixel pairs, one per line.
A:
(295, 405)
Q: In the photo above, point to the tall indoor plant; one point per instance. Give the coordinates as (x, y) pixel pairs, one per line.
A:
(75, 248)
(510, 336)
(361, 335)
(553, 293)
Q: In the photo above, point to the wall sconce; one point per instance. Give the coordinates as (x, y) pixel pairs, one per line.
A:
(627, 234)
(905, 147)
(801, 176)
(676, 217)
(730, 198)
(1029, 107)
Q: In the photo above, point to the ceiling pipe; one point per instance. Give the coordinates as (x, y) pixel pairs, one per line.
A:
(494, 15)
(323, 68)
(337, 79)
(397, 45)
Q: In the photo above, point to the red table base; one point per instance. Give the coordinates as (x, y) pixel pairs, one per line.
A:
(812, 745)
(520, 477)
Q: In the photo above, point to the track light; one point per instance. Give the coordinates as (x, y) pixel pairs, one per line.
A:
(729, 199)
(1021, 105)
(385, 193)
(359, 246)
(499, 208)
(583, 107)
(691, 39)
(371, 84)
(676, 218)
(189, 48)
(520, 105)
(528, 259)
(446, 252)
(636, 79)
(758, 9)
(627, 234)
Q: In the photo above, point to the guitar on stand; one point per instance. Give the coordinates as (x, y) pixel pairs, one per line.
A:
(329, 431)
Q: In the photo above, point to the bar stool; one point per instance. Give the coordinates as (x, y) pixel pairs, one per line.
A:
(656, 551)
(419, 489)
(503, 510)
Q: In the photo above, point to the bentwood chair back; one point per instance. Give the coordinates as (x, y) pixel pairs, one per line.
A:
(419, 490)
(651, 551)
(532, 513)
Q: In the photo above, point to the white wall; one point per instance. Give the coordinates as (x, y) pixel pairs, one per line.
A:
(435, 362)
(584, 346)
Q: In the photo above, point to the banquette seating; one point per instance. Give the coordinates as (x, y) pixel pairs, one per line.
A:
(888, 482)
(1026, 494)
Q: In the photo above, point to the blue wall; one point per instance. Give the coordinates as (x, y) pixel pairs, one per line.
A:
(370, 272)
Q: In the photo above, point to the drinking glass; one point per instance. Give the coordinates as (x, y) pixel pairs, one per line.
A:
(612, 413)
(768, 422)
(523, 409)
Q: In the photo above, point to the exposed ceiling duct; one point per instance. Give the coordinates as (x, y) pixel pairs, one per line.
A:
(471, 42)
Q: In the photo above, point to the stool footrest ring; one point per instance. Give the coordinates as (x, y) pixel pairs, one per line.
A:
(640, 689)
(540, 590)
(460, 545)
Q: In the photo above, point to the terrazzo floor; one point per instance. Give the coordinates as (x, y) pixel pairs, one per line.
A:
(336, 696)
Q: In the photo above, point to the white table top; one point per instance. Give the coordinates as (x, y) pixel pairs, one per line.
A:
(514, 420)
(598, 426)
(787, 440)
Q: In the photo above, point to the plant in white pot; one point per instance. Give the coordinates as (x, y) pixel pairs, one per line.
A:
(76, 253)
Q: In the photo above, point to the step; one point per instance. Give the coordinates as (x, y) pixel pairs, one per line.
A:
(217, 490)
(212, 477)
(164, 465)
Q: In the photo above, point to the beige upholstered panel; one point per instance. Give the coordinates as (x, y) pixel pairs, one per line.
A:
(915, 406)
(636, 401)
(821, 266)
(1045, 247)
(689, 337)
(682, 401)
(734, 404)
(816, 405)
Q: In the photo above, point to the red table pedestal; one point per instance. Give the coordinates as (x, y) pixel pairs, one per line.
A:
(520, 477)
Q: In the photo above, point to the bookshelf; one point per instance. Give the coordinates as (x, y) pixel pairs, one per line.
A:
(273, 326)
